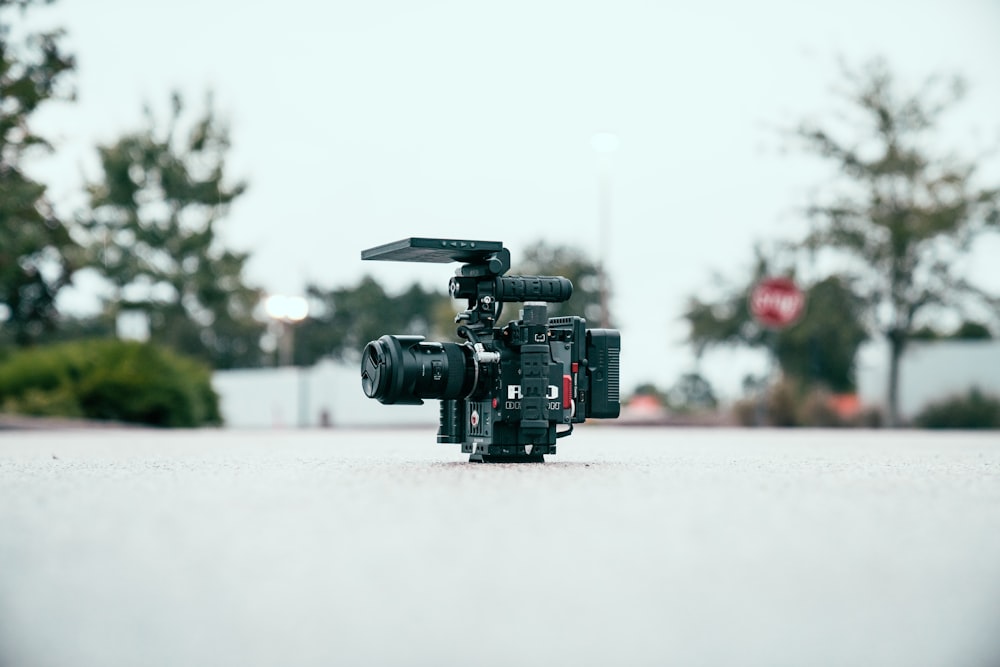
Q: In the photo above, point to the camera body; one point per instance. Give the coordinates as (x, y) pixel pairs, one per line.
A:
(507, 393)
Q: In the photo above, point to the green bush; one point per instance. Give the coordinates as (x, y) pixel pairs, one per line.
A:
(972, 410)
(109, 380)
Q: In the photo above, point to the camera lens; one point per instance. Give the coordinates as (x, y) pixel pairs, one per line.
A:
(407, 369)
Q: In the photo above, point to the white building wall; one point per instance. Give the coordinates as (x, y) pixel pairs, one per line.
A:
(930, 371)
(290, 397)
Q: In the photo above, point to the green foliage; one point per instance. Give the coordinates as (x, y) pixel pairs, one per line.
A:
(79, 328)
(152, 229)
(967, 330)
(650, 389)
(972, 331)
(973, 410)
(343, 320)
(545, 259)
(926, 333)
(819, 349)
(895, 225)
(109, 380)
(37, 254)
(900, 217)
(692, 393)
(727, 320)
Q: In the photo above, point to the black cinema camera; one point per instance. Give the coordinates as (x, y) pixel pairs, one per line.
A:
(504, 391)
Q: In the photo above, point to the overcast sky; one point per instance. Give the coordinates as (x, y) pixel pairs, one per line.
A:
(360, 123)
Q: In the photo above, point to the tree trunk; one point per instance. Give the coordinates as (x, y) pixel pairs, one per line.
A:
(896, 344)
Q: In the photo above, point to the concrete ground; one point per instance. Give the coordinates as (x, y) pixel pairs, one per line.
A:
(632, 546)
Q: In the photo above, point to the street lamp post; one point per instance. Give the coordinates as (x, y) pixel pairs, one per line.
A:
(604, 144)
(286, 312)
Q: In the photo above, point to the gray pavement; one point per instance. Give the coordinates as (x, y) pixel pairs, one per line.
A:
(632, 546)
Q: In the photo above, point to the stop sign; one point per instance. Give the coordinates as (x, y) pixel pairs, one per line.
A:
(776, 302)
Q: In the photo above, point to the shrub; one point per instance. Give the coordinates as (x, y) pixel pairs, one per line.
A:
(816, 409)
(109, 380)
(972, 410)
(790, 402)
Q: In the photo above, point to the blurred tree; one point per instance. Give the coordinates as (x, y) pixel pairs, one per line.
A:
(902, 218)
(822, 347)
(967, 330)
(650, 389)
(692, 393)
(726, 320)
(926, 333)
(972, 331)
(544, 259)
(972, 410)
(37, 254)
(343, 320)
(152, 234)
(819, 349)
(71, 328)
